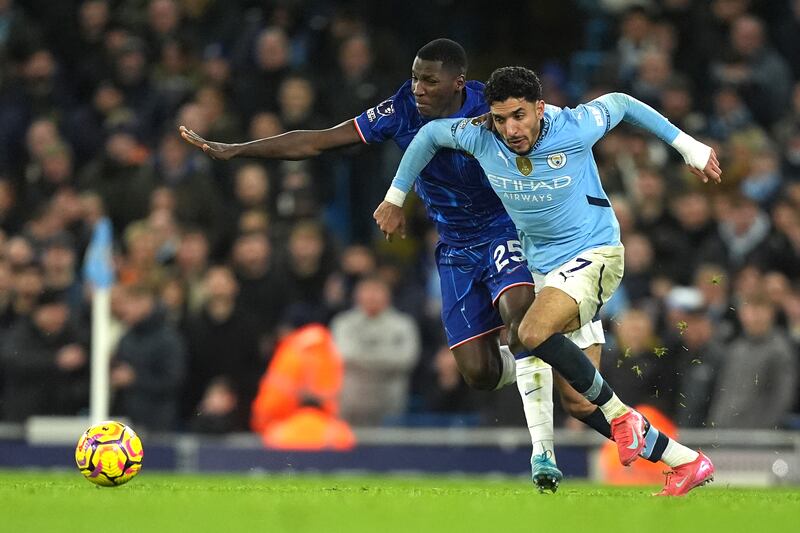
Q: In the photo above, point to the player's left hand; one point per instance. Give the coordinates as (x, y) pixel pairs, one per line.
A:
(391, 220)
(711, 171)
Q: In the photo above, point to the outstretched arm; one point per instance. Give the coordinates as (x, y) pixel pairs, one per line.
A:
(293, 145)
(700, 158)
(430, 138)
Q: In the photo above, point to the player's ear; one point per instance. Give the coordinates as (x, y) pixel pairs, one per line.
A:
(540, 108)
(461, 81)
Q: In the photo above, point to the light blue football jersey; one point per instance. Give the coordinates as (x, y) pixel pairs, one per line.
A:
(553, 193)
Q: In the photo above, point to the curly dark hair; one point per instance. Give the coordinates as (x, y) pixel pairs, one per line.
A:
(513, 82)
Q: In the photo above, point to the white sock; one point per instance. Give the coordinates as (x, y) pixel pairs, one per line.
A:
(676, 454)
(535, 384)
(508, 367)
(613, 408)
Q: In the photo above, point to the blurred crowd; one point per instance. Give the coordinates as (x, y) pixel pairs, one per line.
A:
(222, 266)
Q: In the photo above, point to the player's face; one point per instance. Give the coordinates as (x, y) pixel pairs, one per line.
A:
(517, 121)
(437, 91)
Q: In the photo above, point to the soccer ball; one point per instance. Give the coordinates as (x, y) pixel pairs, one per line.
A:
(109, 454)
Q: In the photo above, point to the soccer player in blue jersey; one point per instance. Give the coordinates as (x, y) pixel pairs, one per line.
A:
(538, 159)
(484, 281)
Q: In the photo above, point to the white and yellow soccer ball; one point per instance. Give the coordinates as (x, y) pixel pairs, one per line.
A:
(109, 454)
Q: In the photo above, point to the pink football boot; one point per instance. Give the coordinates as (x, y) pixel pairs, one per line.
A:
(688, 476)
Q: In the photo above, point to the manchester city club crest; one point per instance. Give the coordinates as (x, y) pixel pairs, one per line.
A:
(524, 165)
(557, 161)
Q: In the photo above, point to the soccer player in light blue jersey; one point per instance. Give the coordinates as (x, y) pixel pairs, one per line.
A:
(538, 159)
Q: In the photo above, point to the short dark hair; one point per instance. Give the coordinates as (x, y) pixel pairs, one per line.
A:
(450, 53)
(513, 82)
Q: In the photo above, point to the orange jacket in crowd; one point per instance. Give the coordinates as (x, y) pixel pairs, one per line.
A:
(306, 363)
(642, 472)
(309, 429)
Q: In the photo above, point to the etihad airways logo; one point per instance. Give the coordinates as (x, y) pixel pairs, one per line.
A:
(527, 190)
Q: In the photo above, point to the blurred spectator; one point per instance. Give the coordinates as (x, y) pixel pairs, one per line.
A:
(252, 189)
(185, 173)
(218, 411)
(678, 105)
(172, 295)
(714, 284)
(296, 99)
(308, 266)
(140, 264)
(297, 198)
(699, 356)
(132, 76)
(118, 175)
(379, 347)
(757, 384)
(59, 266)
(263, 287)
(760, 75)
(86, 58)
(222, 342)
(638, 268)
(149, 366)
(635, 39)
(730, 115)
(638, 363)
(191, 263)
(306, 363)
(257, 90)
(653, 77)
(763, 181)
(448, 392)
(356, 263)
(744, 232)
(224, 125)
(356, 84)
(44, 363)
(28, 286)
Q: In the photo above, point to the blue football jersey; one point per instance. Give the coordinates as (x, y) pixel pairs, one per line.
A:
(553, 193)
(453, 187)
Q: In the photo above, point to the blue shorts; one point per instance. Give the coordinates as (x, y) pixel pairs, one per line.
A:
(472, 280)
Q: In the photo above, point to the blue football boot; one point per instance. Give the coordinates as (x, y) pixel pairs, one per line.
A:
(545, 473)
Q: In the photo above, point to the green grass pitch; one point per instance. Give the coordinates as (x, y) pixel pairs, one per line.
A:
(44, 501)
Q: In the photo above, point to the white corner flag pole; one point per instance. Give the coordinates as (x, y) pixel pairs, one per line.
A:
(101, 318)
(99, 272)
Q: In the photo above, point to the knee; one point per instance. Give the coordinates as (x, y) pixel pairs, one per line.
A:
(531, 335)
(479, 374)
(514, 342)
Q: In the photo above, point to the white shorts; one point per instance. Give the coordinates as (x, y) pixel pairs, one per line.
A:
(590, 279)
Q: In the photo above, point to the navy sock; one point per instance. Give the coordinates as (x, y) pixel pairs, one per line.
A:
(598, 422)
(570, 361)
(655, 443)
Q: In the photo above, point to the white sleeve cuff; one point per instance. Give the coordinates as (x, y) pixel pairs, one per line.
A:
(395, 196)
(694, 152)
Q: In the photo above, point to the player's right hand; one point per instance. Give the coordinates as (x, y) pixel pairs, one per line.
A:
(215, 150)
(391, 219)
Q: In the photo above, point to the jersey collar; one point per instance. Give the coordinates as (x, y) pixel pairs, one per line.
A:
(544, 129)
